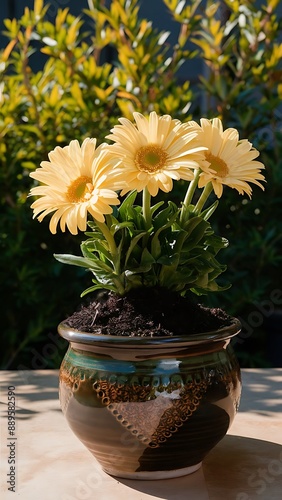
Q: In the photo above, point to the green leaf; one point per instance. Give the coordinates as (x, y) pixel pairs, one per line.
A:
(156, 207)
(94, 288)
(147, 258)
(126, 205)
(74, 260)
(206, 214)
(90, 246)
(155, 244)
(165, 217)
(121, 225)
(169, 260)
(133, 243)
(192, 223)
(156, 247)
(195, 237)
(91, 264)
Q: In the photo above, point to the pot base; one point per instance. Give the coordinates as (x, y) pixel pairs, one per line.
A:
(154, 475)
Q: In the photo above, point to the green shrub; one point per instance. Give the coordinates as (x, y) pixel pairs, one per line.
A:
(76, 94)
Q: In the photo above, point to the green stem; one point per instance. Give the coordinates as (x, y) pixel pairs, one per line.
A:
(112, 244)
(147, 208)
(189, 194)
(113, 250)
(203, 198)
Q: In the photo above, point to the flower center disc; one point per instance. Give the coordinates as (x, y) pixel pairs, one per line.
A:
(150, 158)
(80, 189)
(218, 165)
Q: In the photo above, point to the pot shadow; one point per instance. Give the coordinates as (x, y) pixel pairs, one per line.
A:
(238, 468)
(241, 468)
(192, 486)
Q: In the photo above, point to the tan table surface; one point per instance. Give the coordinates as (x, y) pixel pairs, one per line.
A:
(52, 464)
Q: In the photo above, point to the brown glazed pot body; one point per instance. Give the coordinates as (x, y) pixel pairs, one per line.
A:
(149, 408)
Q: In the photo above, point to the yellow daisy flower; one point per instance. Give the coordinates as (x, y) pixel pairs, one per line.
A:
(76, 182)
(228, 160)
(154, 152)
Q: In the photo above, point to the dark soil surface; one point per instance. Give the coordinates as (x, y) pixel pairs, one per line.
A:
(147, 312)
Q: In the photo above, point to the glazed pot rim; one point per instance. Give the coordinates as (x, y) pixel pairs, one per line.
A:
(73, 335)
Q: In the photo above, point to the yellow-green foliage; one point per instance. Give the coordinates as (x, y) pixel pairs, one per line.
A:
(76, 94)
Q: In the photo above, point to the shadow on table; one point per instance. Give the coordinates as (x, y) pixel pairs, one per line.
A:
(261, 392)
(238, 468)
(32, 386)
(192, 487)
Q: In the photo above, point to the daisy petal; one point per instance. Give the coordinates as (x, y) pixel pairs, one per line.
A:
(77, 180)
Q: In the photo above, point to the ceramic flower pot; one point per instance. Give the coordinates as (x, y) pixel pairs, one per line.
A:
(150, 408)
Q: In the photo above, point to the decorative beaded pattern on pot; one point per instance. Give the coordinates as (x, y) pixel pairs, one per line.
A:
(169, 407)
(182, 409)
(170, 401)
